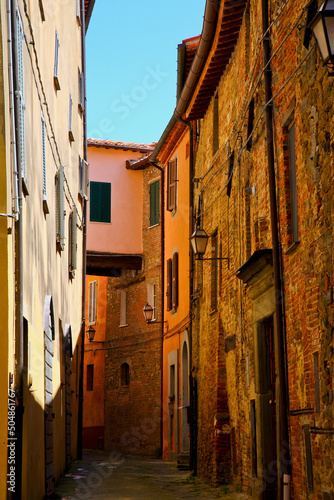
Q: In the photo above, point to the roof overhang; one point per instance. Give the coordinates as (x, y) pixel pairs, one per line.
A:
(125, 146)
(105, 264)
(89, 5)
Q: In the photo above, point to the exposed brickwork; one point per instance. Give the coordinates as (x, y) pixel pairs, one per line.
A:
(226, 380)
(133, 412)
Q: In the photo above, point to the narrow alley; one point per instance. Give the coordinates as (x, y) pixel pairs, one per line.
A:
(103, 475)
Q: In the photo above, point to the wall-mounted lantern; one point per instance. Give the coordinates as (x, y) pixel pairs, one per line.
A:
(199, 240)
(323, 29)
(148, 314)
(90, 333)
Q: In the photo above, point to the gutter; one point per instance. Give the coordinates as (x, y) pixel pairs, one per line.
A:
(84, 243)
(208, 31)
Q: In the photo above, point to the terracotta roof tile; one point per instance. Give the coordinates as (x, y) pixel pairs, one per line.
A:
(126, 146)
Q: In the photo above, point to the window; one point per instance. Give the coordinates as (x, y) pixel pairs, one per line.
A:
(92, 303)
(60, 214)
(123, 320)
(152, 298)
(83, 179)
(81, 104)
(171, 185)
(214, 272)
(72, 249)
(100, 201)
(125, 374)
(90, 377)
(215, 137)
(70, 131)
(293, 183)
(78, 13)
(173, 282)
(154, 203)
(55, 75)
(230, 175)
(22, 160)
(250, 125)
(45, 200)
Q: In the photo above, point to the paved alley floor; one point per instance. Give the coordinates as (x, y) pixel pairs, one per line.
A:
(102, 475)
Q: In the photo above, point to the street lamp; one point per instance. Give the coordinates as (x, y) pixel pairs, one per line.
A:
(91, 333)
(148, 313)
(199, 240)
(323, 29)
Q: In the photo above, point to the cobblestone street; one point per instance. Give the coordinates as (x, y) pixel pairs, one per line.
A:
(102, 475)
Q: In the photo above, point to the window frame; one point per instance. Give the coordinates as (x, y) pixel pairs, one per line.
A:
(56, 62)
(154, 203)
(99, 218)
(92, 303)
(152, 298)
(123, 308)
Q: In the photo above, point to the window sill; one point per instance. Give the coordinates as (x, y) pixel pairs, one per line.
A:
(212, 312)
(154, 225)
(123, 326)
(293, 246)
(98, 222)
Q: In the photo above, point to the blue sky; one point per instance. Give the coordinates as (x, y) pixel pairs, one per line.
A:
(131, 65)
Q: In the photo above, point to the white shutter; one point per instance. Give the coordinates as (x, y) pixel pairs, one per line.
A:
(123, 308)
(83, 178)
(81, 91)
(92, 302)
(73, 242)
(55, 75)
(60, 208)
(70, 132)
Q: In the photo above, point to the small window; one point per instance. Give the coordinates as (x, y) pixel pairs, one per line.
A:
(154, 203)
(60, 214)
(72, 248)
(90, 377)
(152, 298)
(123, 320)
(55, 75)
(215, 138)
(171, 185)
(81, 104)
(83, 179)
(45, 199)
(92, 303)
(125, 374)
(70, 131)
(100, 202)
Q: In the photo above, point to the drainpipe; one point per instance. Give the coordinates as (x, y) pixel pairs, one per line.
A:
(84, 243)
(162, 243)
(284, 452)
(193, 437)
(19, 340)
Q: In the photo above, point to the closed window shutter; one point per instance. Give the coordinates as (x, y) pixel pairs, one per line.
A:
(81, 91)
(123, 308)
(83, 178)
(92, 303)
(20, 38)
(60, 208)
(70, 131)
(73, 242)
(154, 203)
(157, 202)
(169, 285)
(171, 185)
(100, 201)
(55, 75)
(78, 13)
(175, 273)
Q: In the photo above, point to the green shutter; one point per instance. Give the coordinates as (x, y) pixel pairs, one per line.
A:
(154, 203)
(100, 201)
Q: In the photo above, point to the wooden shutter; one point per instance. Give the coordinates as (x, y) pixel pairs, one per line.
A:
(81, 91)
(92, 302)
(154, 203)
(175, 273)
(100, 201)
(60, 208)
(70, 131)
(55, 75)
(123, 308)
(83, 179)
(171, 185)
(169, 285)
(73, 242)
(20, 38)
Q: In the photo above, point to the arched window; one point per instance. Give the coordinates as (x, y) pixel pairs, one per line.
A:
(125, 374)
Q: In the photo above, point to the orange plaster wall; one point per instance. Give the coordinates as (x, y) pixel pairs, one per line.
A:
(177, 232)
(123, 235)
(93, 409)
